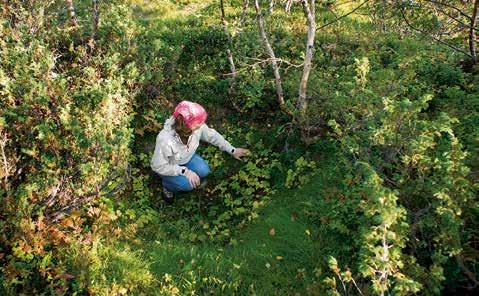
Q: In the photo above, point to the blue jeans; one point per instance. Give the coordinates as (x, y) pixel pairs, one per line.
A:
(181, 183)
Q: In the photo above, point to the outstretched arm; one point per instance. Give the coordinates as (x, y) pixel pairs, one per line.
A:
(240, 152)
(211, 136)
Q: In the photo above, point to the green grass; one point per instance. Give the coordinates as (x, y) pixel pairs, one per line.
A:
(261, 262)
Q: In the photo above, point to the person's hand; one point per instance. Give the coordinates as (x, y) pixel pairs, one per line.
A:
(240, 152)
(193, 178)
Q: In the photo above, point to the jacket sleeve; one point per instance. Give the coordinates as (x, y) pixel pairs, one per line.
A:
(159, 162)
(213, 137)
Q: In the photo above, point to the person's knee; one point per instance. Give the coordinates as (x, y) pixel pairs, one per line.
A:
(203, 170)
(184, 184)
(179, 183)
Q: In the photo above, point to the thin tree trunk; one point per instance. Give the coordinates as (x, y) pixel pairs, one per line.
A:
(96, 18)
(228, 51)
(309, 12)
(472, 33)
(232, 83)
(7, 167)
(288, 5)
(269, 50)
(71, 11)
(243, 14)
(271, 6)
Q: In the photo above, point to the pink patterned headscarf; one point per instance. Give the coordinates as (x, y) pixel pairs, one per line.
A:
(193, 113)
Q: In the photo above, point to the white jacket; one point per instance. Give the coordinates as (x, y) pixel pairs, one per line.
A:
(170, 153)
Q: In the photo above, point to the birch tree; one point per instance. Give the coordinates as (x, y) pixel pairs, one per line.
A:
(309, 12)
(271, 54)
(71, 12)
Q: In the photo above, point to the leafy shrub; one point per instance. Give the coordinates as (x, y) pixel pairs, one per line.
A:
(65, 118)
(301, 174)
(419, 157)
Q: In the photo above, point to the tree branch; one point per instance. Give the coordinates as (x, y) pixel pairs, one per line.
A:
(452, 17)
(470, 275)
(450, 6)
(343, 16)
(430, 36)
(264, 61)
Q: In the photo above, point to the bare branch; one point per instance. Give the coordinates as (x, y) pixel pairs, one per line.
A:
(288, 5)
(451, 16)
(89, 197)
(343, 16)
(450, 6)
(470, 275)
(264, 61)
(432, 37)
(271, 6)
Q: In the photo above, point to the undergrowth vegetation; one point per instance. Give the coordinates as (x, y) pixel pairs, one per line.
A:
(381, 198)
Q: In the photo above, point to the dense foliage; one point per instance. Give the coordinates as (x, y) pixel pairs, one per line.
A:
(390, 140)
(65, 115)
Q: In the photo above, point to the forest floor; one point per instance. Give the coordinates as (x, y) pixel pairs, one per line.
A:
(273, 255)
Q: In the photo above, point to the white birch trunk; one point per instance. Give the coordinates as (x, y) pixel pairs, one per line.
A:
(269, 50)
(228, 51)
(472, 32)
(309, 12)
(71, 11)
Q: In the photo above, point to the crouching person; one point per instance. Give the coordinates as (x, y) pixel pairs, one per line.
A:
(175, 158)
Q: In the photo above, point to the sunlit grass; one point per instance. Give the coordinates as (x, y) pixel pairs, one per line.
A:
(166, 10)
(265, 260)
